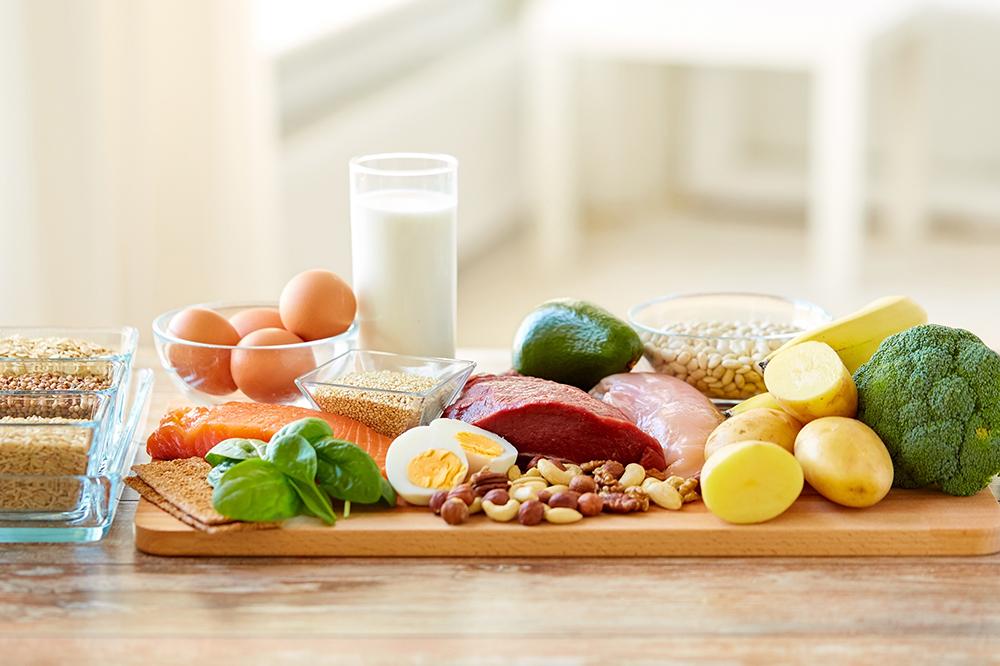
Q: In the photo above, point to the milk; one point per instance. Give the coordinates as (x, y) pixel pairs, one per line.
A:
(404, 258)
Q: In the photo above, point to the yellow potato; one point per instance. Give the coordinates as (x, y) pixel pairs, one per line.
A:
(750, 482)
(764, 424)
(810, 381)
(845, 461)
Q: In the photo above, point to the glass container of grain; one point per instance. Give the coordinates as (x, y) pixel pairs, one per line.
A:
(715, 341)
(390, 393)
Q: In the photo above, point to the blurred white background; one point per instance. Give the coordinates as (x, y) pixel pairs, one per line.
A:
(155, 153)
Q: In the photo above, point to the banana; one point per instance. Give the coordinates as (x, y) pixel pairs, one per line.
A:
(856, 336)
(756, 402)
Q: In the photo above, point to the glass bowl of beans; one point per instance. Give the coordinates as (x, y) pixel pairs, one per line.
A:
(714, 341)
(390, 393)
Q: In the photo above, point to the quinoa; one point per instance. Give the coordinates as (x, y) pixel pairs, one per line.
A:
(387, 413)
(17, 346)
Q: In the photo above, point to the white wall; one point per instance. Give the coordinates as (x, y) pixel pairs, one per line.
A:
(465, 105)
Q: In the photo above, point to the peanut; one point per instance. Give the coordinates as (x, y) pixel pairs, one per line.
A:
(562, 515)
(552, 473)
(501, 513)
(633, 475)
(665, 495)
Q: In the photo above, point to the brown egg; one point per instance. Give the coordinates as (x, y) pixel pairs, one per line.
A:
(267, 375)
(253, 319)
(317, 304)
(203, 369)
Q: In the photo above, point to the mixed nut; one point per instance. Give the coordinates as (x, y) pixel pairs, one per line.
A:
(562, 493)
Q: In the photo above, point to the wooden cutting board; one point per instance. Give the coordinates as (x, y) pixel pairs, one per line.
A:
(907, 522)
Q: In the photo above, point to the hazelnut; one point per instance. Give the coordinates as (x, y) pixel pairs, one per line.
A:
(455, 511)
(437, 499)
(583, 484)
(498, 496)
(531, 513)
(564, 498)
(544, 495)
(463, 492)
(590, 504)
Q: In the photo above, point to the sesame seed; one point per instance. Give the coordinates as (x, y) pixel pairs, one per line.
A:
(387, 413)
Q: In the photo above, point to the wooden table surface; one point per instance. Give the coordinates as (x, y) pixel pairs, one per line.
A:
(108, 603)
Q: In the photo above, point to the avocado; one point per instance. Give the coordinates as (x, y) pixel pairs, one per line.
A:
(574, 342)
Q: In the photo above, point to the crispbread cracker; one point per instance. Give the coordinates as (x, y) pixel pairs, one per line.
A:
(183, 484)
(150, 495)
(180, 488)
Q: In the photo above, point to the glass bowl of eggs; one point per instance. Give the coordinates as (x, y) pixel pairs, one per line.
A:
(254, 351)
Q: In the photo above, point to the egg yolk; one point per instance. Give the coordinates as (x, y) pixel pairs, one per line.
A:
(477, 444)
(436, 468)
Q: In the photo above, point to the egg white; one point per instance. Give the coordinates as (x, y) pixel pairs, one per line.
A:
(448, 429)
(405, 448)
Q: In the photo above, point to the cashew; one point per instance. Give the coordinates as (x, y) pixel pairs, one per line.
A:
(665, 495)
(534, 471)
(525, 492)
(562, 515)
(502, 513)
(476, 506)
(633, 475)
(513, 472)
(537, 483)
(558, 488)
(649, 482)
(553, 474)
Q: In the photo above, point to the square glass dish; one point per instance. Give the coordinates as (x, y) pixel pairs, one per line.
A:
(57, 507)
(107, 343)
(68, 429)
(390, 393)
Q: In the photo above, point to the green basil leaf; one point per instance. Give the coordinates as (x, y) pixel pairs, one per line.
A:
(294, 456)
(312, 429)
(388, 493)
(255, 490)
(315, 501)
(346, 472)
(215, 474)
(235, 449)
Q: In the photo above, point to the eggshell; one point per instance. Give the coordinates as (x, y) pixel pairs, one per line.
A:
(204, 369)
(267, 375)
(253, 319)
(317, 304)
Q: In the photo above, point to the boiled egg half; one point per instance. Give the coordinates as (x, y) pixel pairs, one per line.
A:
(419, 463)
(484, 449)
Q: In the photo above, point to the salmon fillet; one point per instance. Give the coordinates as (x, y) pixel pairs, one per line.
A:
(191, 431)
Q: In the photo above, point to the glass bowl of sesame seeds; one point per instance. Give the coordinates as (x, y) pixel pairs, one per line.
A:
(390, 393)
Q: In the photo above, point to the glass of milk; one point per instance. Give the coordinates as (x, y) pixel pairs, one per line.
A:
(403, 241)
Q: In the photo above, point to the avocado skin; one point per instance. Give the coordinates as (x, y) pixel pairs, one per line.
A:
(574, 342)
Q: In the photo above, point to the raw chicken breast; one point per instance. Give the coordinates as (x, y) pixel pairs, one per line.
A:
(672, 411)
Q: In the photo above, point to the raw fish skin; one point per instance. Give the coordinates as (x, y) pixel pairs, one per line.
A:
(543, 418)
(672, 411)
(191, 431)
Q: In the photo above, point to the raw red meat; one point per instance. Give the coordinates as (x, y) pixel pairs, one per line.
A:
(540, 417)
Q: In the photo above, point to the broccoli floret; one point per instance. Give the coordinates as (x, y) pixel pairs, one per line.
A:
(932, 393)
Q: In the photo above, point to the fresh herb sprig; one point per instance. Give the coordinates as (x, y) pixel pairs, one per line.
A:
(297, 472)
